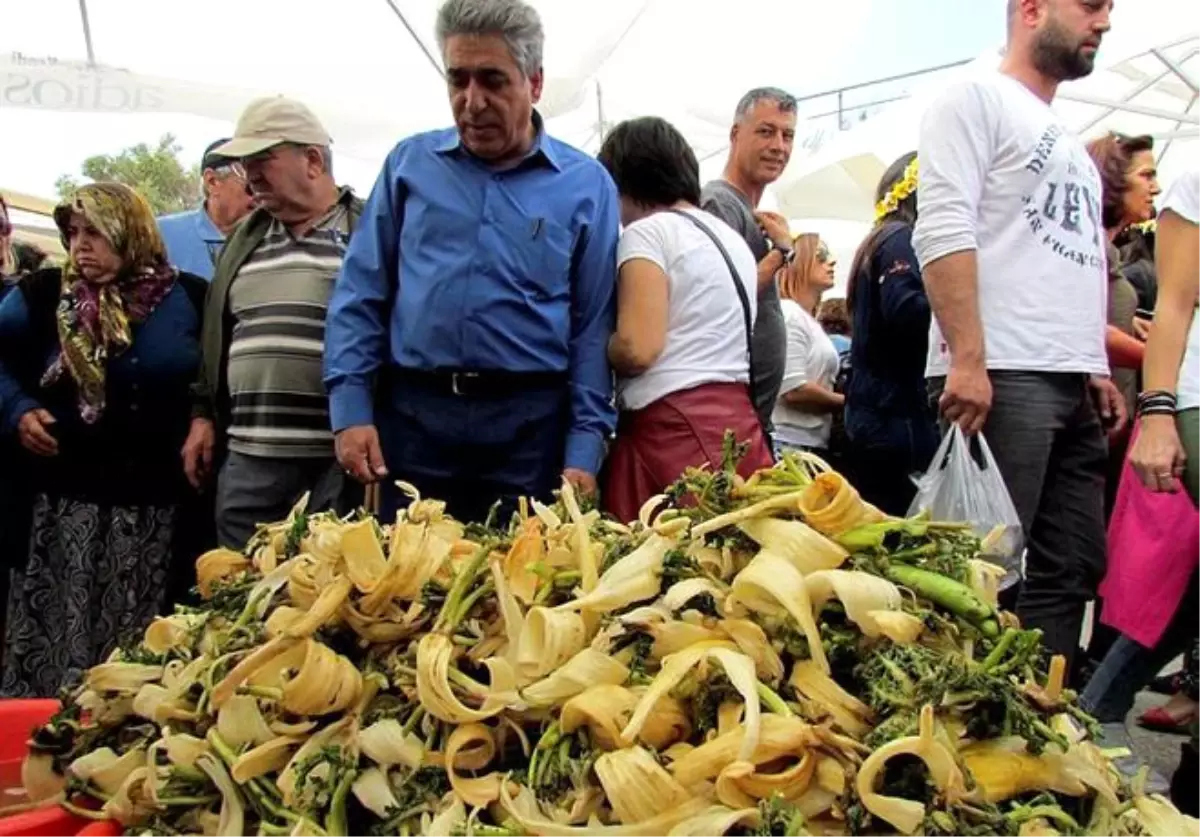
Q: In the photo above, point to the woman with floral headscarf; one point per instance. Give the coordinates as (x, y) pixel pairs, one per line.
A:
(95, 363)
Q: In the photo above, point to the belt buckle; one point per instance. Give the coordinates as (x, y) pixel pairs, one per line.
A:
(455, 377)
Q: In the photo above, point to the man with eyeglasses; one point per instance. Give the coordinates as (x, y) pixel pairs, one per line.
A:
(194, 238)
(260, 402)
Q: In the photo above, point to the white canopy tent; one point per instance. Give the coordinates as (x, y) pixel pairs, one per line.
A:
(369, 67)
(1152, 89)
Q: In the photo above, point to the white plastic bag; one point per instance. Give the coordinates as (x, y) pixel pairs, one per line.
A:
(957, 488)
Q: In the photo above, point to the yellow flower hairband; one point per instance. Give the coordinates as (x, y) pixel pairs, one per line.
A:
(904, 187)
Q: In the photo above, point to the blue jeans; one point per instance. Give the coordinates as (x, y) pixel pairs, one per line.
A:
(886, 450)
(1128, 667)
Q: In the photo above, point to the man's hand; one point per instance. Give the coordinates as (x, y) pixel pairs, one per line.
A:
(967, 399)
(776, 227)
(34, 432)
(197, 451)
(1110, 404)
(583, 482)
(359, 452)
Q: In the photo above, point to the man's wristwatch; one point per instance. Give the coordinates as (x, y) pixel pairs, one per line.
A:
(784, 252)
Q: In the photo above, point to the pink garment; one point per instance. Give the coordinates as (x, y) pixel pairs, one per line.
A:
(1152, 551)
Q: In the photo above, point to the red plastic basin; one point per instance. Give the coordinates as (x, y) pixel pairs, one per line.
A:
(18, 718)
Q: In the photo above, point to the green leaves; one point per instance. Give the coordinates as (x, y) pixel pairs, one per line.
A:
(154, 171)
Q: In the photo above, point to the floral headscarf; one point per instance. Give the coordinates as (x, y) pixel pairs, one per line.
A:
(94, 321)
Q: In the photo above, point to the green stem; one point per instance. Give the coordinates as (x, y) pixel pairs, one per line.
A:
(335, 822)
(1000, 649)
(465, 682)
(270, 828)
(470, 601)
(447, 619)
(1050, 812)
(268, 692)
(546, 743)
(773, 701)
(413, 720)
(173, 801)
(915, 552)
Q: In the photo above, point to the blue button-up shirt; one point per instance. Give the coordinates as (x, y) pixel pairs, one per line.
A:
(192, 240)
(457, 266)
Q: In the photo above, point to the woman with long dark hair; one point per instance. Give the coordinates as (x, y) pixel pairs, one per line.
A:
(891, 427)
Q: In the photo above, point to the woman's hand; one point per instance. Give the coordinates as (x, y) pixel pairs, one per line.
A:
(34, 432)
(1157, 455)
(1141, 328)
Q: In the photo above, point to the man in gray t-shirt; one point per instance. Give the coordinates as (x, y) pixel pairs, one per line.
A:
(761, 140)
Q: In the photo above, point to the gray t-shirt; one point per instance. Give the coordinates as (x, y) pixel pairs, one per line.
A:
(770, 334)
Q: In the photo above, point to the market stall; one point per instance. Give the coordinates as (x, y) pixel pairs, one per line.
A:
(769, 655)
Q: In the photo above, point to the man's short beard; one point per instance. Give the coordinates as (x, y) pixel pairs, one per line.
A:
(1055, 56)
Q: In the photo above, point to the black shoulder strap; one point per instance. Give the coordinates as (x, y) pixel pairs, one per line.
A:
(747, 319)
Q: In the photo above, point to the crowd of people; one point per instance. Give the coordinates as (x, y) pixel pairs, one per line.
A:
(504, 312)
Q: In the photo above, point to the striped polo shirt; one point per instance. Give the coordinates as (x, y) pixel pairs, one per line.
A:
(278, 301)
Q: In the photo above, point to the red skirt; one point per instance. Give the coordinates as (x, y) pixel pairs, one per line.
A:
(656, 444)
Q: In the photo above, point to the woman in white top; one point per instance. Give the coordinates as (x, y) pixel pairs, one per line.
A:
(1166, 450)
(1166, 446)
(803, 415)
(685, 294)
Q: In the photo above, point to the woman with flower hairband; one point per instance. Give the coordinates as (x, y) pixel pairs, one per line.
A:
(890, 423)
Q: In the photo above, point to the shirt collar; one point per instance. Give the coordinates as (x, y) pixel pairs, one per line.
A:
(205, 227)
(542, 149)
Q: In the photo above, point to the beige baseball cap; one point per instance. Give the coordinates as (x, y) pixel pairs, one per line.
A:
(271, 121)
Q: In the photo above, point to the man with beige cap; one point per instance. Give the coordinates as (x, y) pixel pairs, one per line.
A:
(260, 406)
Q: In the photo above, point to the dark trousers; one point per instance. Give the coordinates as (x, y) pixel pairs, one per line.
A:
(1045, 433)
(885, 452)
(470, 450)
(253, 490)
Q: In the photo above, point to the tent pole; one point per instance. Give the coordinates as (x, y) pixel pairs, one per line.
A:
(1137, 91)
(87, 32)
(1178, 69)
(437, 66)
(603, 128)
(1171, 138)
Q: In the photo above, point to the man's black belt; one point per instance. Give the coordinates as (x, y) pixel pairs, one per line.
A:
(490, 383)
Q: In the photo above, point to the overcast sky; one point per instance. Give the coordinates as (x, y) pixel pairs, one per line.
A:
(686, 60)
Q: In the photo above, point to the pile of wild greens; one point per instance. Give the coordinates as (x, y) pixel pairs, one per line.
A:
(752, 656)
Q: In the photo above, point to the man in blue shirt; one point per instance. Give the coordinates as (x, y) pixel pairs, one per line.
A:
(194, 238)
(465, 348)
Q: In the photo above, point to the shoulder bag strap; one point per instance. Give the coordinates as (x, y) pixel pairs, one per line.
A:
(737, 284)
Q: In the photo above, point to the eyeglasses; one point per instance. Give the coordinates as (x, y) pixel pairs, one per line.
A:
(823, 256)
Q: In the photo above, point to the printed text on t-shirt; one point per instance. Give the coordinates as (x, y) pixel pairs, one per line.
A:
(1063, 209)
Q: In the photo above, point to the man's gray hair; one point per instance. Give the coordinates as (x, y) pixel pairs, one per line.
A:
(327, 159)
(515, 21)
(785, 101)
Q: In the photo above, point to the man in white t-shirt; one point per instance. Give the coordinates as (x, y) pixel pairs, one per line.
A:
(1012, 251)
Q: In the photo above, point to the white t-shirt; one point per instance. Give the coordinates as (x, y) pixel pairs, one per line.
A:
(1002, 175)
(706, 332)
(1183, 198)
(811, 358)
